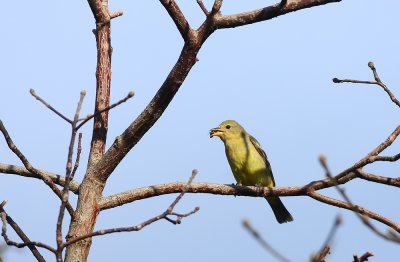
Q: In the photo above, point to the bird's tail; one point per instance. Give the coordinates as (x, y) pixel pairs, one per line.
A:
(281, 213)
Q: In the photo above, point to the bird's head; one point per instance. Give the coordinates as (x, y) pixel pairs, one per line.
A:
(227, 130)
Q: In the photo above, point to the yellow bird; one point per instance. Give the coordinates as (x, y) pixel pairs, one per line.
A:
(249, 163)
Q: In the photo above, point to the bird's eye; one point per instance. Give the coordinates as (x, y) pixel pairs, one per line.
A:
(228, 126)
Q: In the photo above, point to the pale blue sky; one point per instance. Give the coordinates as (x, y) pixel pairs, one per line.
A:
(273, 77)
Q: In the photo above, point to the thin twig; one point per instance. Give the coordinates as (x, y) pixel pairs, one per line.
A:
(33, 93)
(378, 179)
(332, 232)
(30, 168)
(325, 248)
(165, 215)
(203, 7)
(363, 258)
(372, 66)
(116, 14)
(84, 120)
(371, 157)
(377, 82)
(78, 157)
(178, 17)
(5, 218)
(321, 256)
(385, 158)
(247, 225)
(68, 172)
(356, 208)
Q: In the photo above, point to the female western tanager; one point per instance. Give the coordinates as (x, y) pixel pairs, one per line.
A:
(249, 163)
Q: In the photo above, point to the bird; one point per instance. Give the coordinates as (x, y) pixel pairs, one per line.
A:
(249, 163)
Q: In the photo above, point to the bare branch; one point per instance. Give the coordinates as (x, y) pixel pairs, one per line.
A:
(84, 120)
(153, 111)
(255, 16)
(247, 225)
(5, 218)
(385, 158)
(363, 258)
(283, 3)
(91, 187)
(78, 157)
(372, 66)
(325, 248)
(30, 168)
(356, 208)
(371, 157)
(378, 179)
(321, 256)
(338, 221)
(103, 78)
(165, 215)
(341, 178)
(178, 17)
(116, 14)
(33, 93)
(216, 7)
(100, 11)
(68, 172)
(377, 82)
(22, 171)
(203, 7)
(218, 189)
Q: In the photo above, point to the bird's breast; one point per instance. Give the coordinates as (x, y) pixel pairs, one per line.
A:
(248, 166)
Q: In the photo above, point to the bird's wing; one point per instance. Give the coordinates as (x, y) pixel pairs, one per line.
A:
(259, 149)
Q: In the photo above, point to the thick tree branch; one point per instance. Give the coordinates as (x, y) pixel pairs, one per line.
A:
(99, 10)
(251, 17)
(22, 171)
(125, 142)
(216, 7)
(153, 111)
(103, 77)
(92, 187)
(209, 188)
(219, 189)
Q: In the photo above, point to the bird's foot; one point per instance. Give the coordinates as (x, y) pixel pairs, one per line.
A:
(259, 189)
(235, 185)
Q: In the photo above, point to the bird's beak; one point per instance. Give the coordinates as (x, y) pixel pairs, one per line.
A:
(216, 132)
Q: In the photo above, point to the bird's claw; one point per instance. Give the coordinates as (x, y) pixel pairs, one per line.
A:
(235, 185)
(259, 189)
